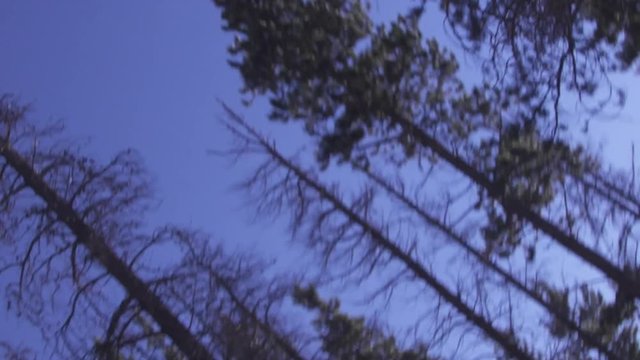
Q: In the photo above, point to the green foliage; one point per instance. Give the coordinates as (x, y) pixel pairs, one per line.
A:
(356, 80)
(358, 89)
(609, 322)
(617, 24)
(348, 338)
(292, 40)
(358, 85)
(526, 167)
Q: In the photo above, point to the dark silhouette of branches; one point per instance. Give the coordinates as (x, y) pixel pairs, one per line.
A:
(283, 183)
(103, 193)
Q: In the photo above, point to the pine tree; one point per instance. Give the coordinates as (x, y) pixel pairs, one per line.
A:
(380, 101)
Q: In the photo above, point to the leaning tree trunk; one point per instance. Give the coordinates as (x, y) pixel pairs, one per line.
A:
(254, 140)
(97, 246)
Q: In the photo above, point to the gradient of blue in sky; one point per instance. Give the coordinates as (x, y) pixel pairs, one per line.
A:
(146, 75)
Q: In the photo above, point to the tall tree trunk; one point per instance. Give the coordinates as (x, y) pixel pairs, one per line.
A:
(517, 207)
(135, 287)
(486, 261)
(501, 338)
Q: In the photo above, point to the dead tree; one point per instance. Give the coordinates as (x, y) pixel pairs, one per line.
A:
(283, 184)
(75, 197)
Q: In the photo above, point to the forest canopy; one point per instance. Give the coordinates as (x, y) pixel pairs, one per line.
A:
(465, 214)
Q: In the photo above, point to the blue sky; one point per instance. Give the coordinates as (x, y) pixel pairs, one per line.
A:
(146, 74)
(141, 74)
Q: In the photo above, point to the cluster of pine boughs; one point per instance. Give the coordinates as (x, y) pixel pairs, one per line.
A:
(511, 197)
(363, 89)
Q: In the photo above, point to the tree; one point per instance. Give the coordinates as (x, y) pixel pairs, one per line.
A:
(74, 240)
(382, 99)
(72, 235)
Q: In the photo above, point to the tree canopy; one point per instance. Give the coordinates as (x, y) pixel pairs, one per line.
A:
(381, 96)
(466, 212)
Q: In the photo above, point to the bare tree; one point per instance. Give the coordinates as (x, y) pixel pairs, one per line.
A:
(524, 202)
(74, 209)
(347, 229)
(85, 272)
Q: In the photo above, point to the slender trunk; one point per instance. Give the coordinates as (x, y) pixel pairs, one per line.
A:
(516, 207)
(85, 235)
(501, 338)
(453, 236)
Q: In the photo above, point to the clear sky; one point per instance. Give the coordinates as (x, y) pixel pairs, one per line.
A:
(141, 74)
(146, 74)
